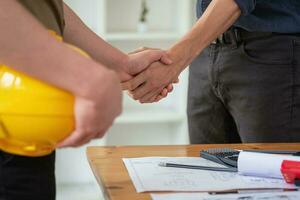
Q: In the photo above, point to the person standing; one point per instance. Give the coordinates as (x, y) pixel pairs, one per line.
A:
(28, 46)
(244, 82)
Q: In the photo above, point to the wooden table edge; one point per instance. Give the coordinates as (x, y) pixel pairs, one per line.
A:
(106, 193)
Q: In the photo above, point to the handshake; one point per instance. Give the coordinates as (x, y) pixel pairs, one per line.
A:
(149, 75)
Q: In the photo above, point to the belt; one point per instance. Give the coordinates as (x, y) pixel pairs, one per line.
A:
(237, 35)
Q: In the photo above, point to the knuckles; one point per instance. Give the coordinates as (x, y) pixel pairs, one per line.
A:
(135, 96)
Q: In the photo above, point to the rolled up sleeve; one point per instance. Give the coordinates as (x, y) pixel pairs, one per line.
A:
(246, 6)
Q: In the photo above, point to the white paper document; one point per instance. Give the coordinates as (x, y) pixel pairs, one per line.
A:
(251, 196)
(147, 176)
(261, 164)
(179, 196)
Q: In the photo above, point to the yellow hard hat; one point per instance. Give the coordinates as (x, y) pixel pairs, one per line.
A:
(34, 116)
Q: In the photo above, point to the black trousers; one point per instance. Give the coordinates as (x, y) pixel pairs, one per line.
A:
(25, 178)
(246, 92)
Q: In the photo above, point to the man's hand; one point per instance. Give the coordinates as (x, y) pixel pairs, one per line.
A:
(141, 59)
(94, 117)
(147, 85)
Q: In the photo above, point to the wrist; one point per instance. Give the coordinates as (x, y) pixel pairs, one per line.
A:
(122, 66)
(180, 56)
(185, 51)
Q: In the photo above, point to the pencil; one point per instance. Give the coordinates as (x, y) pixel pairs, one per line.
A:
(220, 169)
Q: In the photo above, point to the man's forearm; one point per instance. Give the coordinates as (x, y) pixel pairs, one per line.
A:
(28, 47)
(218, 17)
(77, 33)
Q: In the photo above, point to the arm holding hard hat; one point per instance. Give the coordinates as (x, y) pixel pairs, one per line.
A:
(28, 47)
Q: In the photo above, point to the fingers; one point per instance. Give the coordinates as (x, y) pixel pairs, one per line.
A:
(154, 54)
(151, 96)
(155, 95)
(134, 83)
(102, 133)
(142, 49)
(165, 58)
(157, 55)
(129, 93)
(79, 138)
(76, 139)
(94, 115)
(158, 98)
(170, 88)
(141, 91)
(147, 86)
(176, 81)
(164, 92)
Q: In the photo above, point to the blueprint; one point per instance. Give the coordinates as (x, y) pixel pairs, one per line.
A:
(148, 176)
(250, 163)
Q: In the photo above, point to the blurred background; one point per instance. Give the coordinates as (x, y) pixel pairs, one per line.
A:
(128, 25)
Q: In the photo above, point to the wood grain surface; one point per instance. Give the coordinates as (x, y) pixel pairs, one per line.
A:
(112, 176)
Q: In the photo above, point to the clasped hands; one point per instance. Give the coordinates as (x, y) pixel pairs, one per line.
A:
(148, 74)
(153, 74)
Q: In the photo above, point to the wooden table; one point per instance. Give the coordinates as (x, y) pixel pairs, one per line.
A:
(112, 176)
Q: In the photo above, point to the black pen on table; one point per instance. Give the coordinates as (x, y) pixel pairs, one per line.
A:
(219, 169)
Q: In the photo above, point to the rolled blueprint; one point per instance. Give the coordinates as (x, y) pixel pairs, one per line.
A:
(262, 165)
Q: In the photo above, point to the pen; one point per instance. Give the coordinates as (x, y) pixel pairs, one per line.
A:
(251, 191)
(220, 169)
